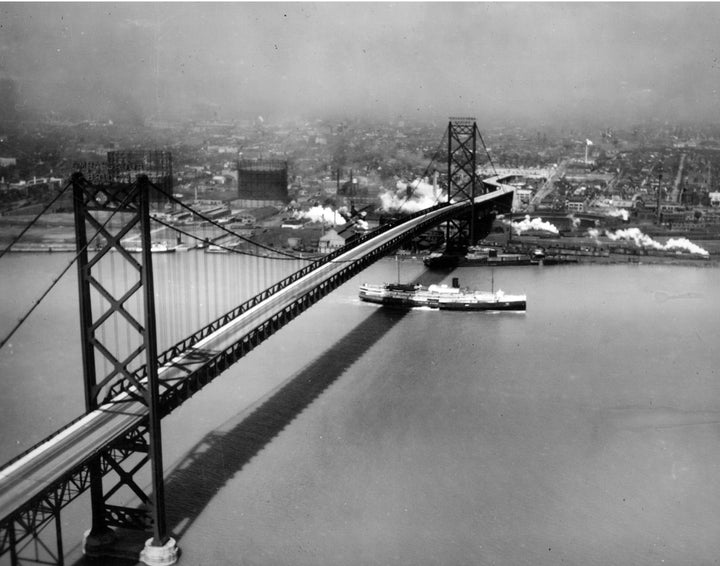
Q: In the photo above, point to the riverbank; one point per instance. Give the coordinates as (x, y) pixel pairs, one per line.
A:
(55, 233)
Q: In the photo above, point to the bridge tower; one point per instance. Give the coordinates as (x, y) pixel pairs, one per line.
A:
(463, 180)
(119, 344)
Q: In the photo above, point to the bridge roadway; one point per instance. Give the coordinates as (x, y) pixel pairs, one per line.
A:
(73, 447)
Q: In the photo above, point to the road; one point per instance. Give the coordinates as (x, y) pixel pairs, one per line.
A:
(675, 195)
(549, 185)
(37, 470)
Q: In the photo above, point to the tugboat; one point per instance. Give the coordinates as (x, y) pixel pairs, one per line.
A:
(446, 258)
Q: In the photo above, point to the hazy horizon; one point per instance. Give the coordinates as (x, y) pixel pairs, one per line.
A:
(501, 62)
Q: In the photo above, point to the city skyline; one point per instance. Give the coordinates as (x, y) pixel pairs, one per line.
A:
(502, 62)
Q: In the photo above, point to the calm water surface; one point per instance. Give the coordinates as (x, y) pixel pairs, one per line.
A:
(585, 431)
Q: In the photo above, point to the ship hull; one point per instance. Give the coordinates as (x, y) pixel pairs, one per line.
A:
(390, 301)
(441, 298)
(515, 305)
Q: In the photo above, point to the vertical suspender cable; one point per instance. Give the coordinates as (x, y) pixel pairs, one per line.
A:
(113, 287)
(163, 305)
(257, 283)
(207, 288)
(264, 281)
(245, 274)
(100, 308)
(199, 253)
(271, 269)
(174, 302)
(227, 275)
(162, 313)
(216, 283)
(127, 307)
(176, 323)
(233, 282)
(185, 277)
(169, 301)
(275, 265)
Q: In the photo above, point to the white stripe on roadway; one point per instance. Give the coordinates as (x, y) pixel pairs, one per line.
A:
(61, 454)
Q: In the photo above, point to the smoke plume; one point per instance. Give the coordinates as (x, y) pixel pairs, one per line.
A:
(411, 197)
(594, 233)
(618, 212)
(534, 224)
(362, 224)
(642, 240)
(321, 214)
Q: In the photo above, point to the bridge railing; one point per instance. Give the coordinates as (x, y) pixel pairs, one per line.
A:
(204, 366)
(177, 349)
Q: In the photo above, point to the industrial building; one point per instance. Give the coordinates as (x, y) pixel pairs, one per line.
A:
(262, 182)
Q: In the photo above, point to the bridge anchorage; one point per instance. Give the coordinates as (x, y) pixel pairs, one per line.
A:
(115, 448)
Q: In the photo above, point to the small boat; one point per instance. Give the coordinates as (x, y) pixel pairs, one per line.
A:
(215, 249)
(440, 297)
(446, 258)
(439, 260)
(161, 248)
(155, 247)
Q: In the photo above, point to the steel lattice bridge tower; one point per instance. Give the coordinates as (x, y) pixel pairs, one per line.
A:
(115, 448)
(463, 183)
(132, 307)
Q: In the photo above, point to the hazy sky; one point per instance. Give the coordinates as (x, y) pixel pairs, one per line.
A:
(501, 62)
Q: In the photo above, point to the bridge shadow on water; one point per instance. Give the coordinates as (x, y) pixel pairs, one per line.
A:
(220, 455)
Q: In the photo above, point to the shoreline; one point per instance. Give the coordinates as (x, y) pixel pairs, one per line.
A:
(611, 259)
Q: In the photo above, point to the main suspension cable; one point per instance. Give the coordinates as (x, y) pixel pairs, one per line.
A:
(487, 152)
(23, 318)
(228, 231)
(234, 250)
(32, 222)
(427, 169)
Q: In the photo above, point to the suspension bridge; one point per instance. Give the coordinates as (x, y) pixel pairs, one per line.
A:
(137, 369)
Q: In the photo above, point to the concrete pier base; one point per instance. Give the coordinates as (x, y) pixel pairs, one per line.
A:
(96, 544)
(129, 545)
(159, 555)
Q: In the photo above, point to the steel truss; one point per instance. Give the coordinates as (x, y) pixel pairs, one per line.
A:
(21, 533)
(462, 179)
(124, 458)
(101, 208)
(166, 357)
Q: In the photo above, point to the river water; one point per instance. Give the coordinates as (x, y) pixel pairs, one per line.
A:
(584, 431)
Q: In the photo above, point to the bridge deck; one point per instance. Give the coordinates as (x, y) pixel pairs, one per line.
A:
(47, 464)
